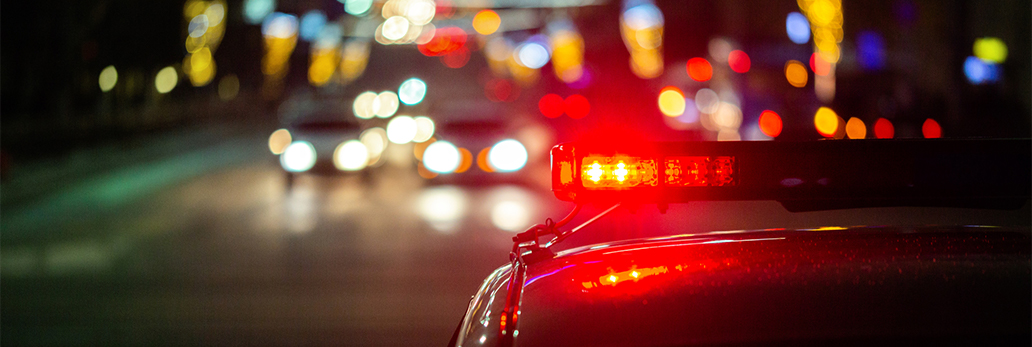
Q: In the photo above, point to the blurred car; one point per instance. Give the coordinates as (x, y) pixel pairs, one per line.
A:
(319, 137)
(479, 142)
(862, 285)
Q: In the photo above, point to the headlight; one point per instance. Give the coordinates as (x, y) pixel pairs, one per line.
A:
(299, 157)
(507, 156)
(351, 155)
(442, 157)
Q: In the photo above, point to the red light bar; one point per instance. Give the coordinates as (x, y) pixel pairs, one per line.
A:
(882, 172)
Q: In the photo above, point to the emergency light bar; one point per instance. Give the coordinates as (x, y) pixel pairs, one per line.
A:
(832, 174)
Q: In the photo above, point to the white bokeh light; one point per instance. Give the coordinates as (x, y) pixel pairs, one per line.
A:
(299, 157)
(507, 155)
(401, 130)
(351, 155)
(442, 157)
(412, 91)
(424, 129)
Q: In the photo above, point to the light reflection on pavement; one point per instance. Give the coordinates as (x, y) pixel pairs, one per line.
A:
(235, 257)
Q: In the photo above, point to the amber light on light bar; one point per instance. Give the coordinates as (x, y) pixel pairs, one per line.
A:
(617, 172)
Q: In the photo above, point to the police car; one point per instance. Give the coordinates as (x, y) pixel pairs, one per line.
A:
(870, 285)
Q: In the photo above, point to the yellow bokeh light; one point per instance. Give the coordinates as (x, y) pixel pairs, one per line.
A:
(795, 73)
(826, 121)
(200, 60)
(166, 80)
(486, 22)
(991, 49)
(671, 102)
(856, 129)
(108, 78)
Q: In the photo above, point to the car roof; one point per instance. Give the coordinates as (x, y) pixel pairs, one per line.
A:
(874, 284)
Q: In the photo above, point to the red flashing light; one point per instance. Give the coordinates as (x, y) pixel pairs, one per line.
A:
(599, 172)
(883, 129)
(699, 69)
(699, 171)
(576, 106)
(931, 129)
(739, 61)
(551, 105)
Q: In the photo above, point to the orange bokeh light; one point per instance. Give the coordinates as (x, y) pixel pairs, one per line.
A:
(486, 22)
(770, 123)
(467, 160)
(796, 74)
(856, 129)
(699, 69)
(482, 160)
(819, 66)
(931, 129)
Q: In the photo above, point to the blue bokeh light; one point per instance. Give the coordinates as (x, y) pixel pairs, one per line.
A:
(979, 71)
(870, 51)
(311, 24)
(798, 28)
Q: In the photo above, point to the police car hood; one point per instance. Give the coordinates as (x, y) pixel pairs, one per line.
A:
(866, 285)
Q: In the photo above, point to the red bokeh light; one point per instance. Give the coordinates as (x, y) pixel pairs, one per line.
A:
(931, 129)
(551, 105)
(456, 59)
(499, 89)
(819, 66)
(739, 61)
(883, 129)
(770, 123)
(699, 69)
(445, 40)
(576, 106)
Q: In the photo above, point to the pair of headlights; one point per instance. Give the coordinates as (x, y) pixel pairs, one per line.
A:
(300, 156)
(505, 156)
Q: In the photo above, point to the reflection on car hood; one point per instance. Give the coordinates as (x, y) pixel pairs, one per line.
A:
(864, 284)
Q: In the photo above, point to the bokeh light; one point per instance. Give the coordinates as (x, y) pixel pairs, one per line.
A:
(551, 105)
(386, 104)
(510, 216)
(357, 7)
(351, 155)
(979, 71)
(739, 61)
(401, 130)
(424, 129)
(298, 157)
(870, 51)
(883, 129)
(412, 91)
(375, 140)
(707, 101)
(255, 11)
(671, 102)
(166, 79)
(819, 66)
(532, 55)
(312, 22)
(507, 156)
(395, 28)
(279, 140)
(486, 22)
(826, 121)
(576, 106)
(442, 157)
(798, 28)
(931, 129)
(442, 207)
(770, 123)
(108, 78)
(229, 86)
(728, 116)
(465, 161)
(363, 105)
(991, 49)
(482, 160)
(699, 69)
(796, 74)
(855, 128)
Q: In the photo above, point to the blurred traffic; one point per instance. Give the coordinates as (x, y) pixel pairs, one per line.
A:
(287, 172)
